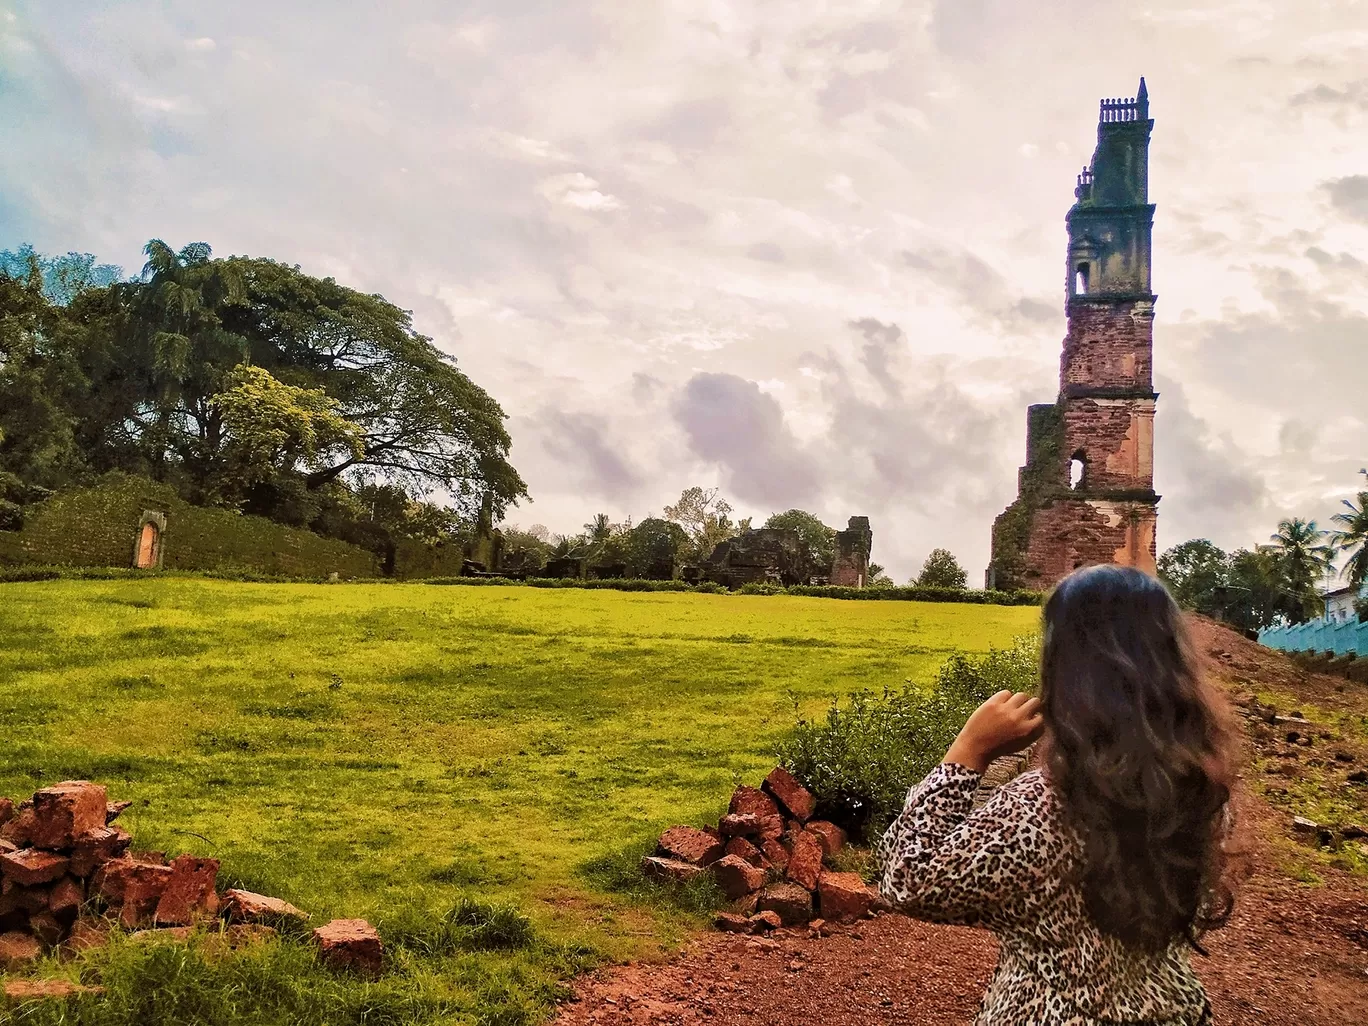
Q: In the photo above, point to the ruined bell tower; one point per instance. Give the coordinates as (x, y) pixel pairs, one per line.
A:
(1086, 494)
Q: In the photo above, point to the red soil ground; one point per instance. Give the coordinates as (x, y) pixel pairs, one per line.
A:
(1292, 955)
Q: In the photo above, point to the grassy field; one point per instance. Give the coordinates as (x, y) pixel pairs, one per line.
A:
(382, 751)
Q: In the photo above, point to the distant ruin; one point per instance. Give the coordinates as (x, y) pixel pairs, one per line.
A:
(772, 555)
(766, 555)
(850, 568)
(482, 555)
(1086, 494)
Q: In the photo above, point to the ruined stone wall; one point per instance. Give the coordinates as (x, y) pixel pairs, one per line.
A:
(850, 567)
(1115, 438)
(1108, 346)
(1070, 533)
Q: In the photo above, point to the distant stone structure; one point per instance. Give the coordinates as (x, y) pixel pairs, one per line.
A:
(483, 554)
(1086, 494)
(566, 566)
(777, 555)
(762, 555)
(850, 567)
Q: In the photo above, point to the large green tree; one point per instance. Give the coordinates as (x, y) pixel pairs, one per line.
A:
(41, 390)
(1197, 573)
(941, 570)
(272, 430)
(150, 359)
(818, 540)
(706, 519)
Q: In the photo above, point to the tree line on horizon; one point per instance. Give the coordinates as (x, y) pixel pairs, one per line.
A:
(687, 532)
(1283, 581)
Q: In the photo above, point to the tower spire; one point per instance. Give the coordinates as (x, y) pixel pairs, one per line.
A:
(1142, 100)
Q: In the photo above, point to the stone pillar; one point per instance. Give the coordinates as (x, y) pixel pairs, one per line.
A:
(850, 567)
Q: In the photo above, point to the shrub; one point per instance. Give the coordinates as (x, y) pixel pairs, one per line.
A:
(861, 759)
(762, 588)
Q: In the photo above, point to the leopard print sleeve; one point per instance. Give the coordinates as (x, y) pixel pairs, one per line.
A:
(944, 861)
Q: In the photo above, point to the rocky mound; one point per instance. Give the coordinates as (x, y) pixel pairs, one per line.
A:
(770, 857)
(66, 870)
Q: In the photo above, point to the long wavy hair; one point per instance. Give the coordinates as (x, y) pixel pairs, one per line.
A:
(1138, 748)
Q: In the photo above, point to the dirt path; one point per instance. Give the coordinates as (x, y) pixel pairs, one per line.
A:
(1292, 955)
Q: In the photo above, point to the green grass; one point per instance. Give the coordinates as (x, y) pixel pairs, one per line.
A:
(385, 751)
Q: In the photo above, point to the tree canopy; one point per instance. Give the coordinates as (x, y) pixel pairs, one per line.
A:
(941, 570)
(818, 539)
(240, 381)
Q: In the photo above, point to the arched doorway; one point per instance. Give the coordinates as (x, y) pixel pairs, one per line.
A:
(147, 543)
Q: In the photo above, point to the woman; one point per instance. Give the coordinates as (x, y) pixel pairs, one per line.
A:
(1101, 870)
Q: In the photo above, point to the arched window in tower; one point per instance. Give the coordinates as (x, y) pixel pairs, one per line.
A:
(1081, 280)
(1078, 470)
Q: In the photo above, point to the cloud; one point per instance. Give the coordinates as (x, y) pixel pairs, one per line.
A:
(583, 443)
(1349, 195)
(645, 387)
(766, 251)
(730, 422)
(882, 342)
(981, 290)
(1355, 94)
(578, 190)
(1216, 489)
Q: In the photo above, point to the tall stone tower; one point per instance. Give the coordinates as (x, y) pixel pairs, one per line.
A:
(1086, 494)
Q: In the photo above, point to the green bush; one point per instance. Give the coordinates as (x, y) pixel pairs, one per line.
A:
(916, 593)
(909, 594)
(861, 759)
(762, 588)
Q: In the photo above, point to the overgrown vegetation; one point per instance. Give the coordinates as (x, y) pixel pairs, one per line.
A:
(863, 756)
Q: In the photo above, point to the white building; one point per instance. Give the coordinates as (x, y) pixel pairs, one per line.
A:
(1339, 604)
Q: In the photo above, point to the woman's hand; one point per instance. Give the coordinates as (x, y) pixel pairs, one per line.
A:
(1004, 724)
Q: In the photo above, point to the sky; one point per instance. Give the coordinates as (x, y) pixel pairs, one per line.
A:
(811, 253)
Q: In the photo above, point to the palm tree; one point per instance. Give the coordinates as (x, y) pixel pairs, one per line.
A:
(1303, 557)
(177, 309)
(599, 530)
(1352, 537)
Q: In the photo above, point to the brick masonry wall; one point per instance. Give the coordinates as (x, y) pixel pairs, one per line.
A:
(850, 566)
(1108, 345)
(1070, 533)
(1116, 437)
(96, 527)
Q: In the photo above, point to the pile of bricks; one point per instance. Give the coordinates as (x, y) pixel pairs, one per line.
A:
(64, 861)
(771, 858)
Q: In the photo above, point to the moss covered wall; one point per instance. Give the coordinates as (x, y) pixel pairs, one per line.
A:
(96, 526)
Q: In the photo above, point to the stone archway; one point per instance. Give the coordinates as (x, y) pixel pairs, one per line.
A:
(148, 541)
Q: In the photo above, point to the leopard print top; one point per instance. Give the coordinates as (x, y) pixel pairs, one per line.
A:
(1007, 866)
